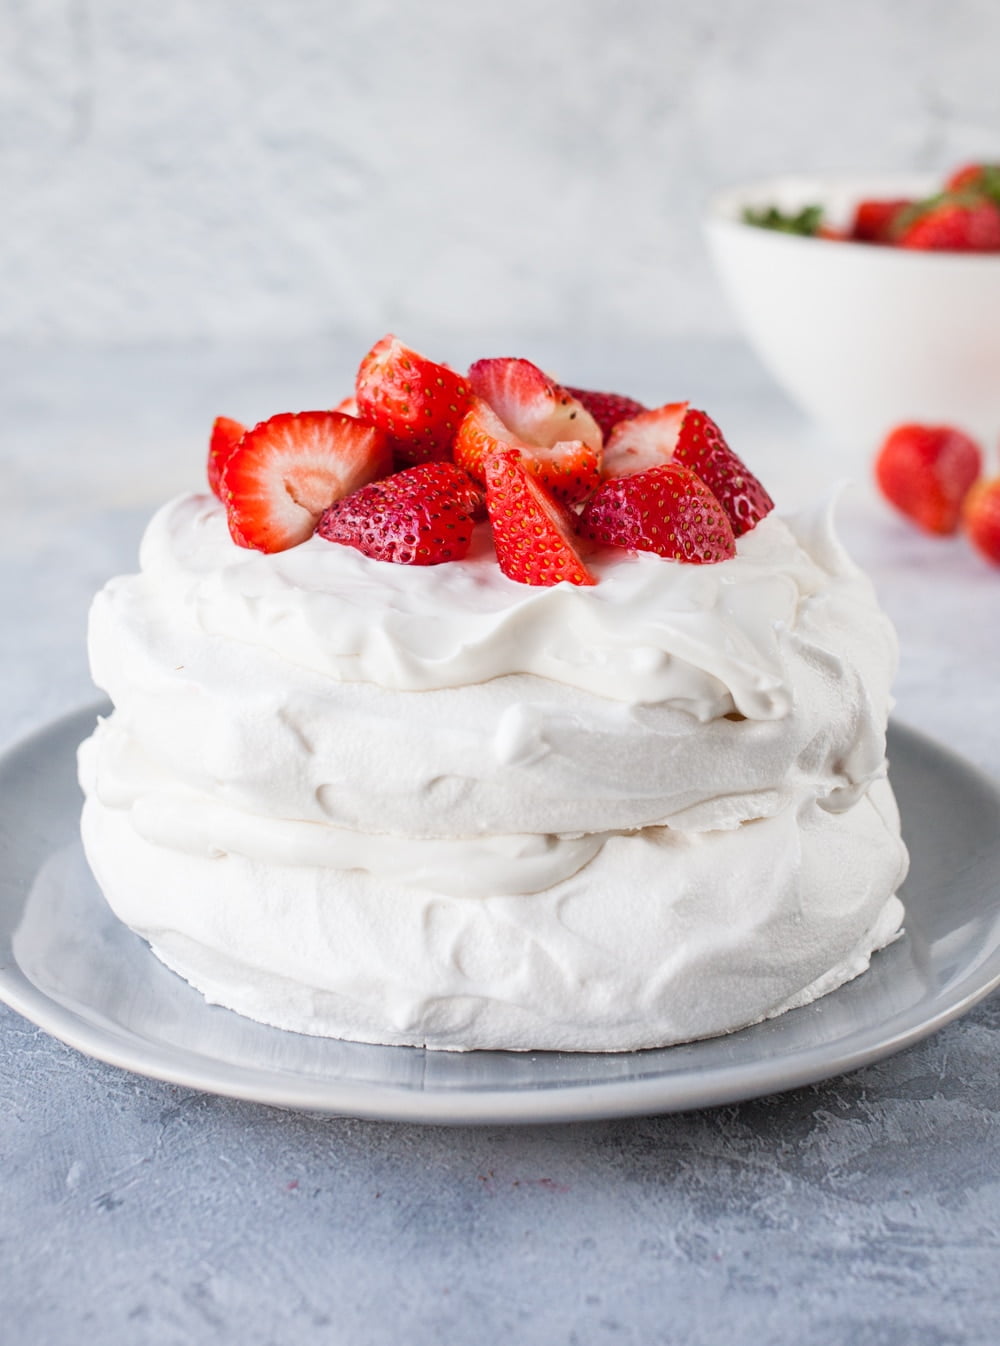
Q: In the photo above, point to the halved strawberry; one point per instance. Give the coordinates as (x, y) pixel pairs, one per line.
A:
(702, 448)
(644, 441)
(348, 406)
(537, 410)
(418, 403)
(419, 517)
(677, 433)
(226, 434)
(567, 469)
(981, 518)
(667, 509)
(607, 409)
(532, 533)
(926, 471)
(287, 470)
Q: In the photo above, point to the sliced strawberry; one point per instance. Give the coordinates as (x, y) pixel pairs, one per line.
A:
(568, 470)
(348, 406)
(607, 409)
(702, 448)
(418, 403)
(644, 441)
(538, 411)
(533, 534)
(981, 518)
(926, 471)
(667, 509)
(226, 434)
(419, 517)
(874, 220)
(678, 433)
(955, 227)
(287, 470)
(481, 434)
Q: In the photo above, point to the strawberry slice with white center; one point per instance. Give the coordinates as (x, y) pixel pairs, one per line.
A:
(419, 517)
(536, 409)
(287, 470)
(644, 441)
(568, 470)
(607, 409)
(533, 534)
(226, 434)
(666, 509)
(677, 433)
(418, 403)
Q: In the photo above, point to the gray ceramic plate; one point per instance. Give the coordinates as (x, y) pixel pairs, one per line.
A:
(67, 964)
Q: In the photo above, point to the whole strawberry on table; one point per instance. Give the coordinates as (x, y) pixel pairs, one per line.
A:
(964, 216)
(408, 466)
(932, 474)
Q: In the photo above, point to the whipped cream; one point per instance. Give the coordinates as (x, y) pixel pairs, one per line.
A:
(319, 761)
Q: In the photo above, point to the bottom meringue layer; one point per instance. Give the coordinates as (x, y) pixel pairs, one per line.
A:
(662, 937)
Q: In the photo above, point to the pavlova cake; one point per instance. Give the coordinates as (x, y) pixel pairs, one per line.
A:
(482, 712)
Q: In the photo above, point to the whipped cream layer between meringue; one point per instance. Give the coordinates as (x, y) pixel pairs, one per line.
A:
(430, 805)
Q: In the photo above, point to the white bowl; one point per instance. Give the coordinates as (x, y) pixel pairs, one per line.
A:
(862, 337)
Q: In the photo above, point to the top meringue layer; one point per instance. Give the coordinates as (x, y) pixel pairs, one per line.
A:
(667, 694)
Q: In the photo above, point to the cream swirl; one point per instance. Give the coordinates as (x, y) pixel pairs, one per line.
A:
(703, 638)
(226, 670)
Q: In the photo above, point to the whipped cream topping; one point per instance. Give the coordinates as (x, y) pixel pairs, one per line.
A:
(703, 638)
(254, 723)
(318, 760)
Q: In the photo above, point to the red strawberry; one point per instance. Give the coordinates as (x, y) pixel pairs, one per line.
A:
(966, 176)
(348, 406)
(535, 409)
(287, 470)
(607, 409)
(702, 448)
(568, 469)
(226, 434)
(926, 471)
(954, 226)
(418, 403)
(533, 534)
(667, 509)
(419, 517)
(976, 177)
(644, 441)
(981, 518)
(874, 220)
(678, 433)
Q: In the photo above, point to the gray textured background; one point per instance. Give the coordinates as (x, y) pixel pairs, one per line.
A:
(275, 167)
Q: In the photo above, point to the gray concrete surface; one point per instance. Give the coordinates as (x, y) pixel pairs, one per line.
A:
(861, 1212)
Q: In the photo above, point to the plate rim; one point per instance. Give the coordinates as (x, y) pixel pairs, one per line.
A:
(370, 1100)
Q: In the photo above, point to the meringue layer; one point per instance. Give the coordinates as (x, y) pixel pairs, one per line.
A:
(433, 806)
